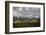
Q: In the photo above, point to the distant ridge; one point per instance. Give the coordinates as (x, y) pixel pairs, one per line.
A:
(24, 17)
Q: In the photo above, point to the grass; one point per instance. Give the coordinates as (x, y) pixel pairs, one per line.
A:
(26, 23)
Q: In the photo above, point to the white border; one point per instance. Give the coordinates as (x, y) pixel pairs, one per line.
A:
(11, 29)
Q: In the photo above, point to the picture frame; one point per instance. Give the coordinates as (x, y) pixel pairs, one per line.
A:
(36, 10)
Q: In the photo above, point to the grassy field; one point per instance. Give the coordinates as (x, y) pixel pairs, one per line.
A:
(26, 23)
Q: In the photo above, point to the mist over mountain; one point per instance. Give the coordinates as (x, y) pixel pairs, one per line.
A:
(26, 12)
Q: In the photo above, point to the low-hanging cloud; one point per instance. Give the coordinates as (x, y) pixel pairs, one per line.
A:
(26, 11)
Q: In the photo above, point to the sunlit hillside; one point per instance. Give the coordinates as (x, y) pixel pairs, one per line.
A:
(33, 22)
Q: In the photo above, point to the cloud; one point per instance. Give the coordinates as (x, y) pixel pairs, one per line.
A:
(26, 11)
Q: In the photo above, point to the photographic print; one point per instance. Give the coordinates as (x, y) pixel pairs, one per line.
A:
(24, 17)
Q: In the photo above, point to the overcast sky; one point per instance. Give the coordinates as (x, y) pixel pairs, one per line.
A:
(26, 11)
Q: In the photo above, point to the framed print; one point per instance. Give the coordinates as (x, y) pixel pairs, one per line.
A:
(24, 17)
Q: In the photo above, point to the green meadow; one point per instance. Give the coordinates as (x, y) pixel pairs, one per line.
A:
(26, 23)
